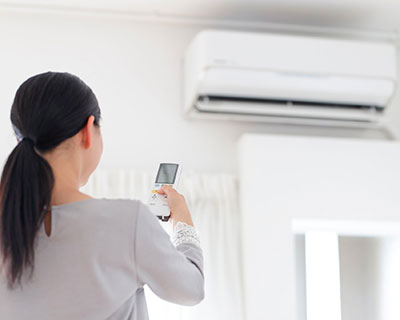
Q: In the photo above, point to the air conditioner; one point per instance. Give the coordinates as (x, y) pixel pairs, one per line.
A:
(288, 79)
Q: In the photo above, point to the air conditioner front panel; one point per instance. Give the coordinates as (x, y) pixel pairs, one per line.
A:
(293, 53)
(239, 82)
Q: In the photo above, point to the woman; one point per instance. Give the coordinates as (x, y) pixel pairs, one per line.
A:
(64, 254)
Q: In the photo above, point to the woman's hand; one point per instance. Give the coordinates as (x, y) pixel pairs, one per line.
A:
(177, 204)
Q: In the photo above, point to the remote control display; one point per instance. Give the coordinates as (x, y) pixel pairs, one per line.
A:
(167, 173)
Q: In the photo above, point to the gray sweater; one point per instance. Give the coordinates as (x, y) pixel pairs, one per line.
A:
(100, 254)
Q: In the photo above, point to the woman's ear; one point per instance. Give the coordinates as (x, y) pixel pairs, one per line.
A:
(87, 133)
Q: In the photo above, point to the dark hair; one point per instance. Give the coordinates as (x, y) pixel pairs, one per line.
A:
(48, 108)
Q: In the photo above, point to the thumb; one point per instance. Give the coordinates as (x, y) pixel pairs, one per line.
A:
(164, 190)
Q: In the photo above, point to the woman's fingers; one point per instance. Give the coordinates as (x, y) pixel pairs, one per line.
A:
(177, 204)
(165, 189)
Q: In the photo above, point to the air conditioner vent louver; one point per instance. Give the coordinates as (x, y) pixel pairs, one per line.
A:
(291, 103)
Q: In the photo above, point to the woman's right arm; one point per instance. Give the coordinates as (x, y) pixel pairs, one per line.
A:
(173, 273)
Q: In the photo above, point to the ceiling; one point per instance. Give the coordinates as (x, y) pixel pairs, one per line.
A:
(381, 15)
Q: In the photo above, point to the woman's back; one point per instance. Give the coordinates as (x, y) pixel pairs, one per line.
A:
(74, 256)
(95, 262)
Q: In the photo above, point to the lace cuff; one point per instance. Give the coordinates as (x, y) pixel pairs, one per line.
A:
(184, 233)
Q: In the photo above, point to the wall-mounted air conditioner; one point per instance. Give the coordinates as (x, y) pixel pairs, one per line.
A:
(288, 79)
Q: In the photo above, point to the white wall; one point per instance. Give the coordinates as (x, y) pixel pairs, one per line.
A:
(135, 70)
(345, 185)
(361, 267)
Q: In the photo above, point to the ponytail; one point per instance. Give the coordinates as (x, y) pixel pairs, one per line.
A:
(25, 192)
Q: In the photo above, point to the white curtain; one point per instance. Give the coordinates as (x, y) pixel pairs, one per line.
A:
(213, 200)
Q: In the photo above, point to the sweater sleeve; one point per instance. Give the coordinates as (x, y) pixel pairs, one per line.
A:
(173, 273)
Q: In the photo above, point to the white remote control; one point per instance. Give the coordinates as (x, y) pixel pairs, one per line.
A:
(168, 174)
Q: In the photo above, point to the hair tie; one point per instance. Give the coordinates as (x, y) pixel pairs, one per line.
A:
(29, 140)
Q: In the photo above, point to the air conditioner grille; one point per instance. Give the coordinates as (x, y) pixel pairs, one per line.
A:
(216, 98)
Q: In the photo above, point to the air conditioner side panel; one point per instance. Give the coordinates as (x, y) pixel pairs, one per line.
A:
(194, 67)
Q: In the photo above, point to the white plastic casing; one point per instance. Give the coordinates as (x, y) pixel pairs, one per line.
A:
(158, 202)
(338, 73)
